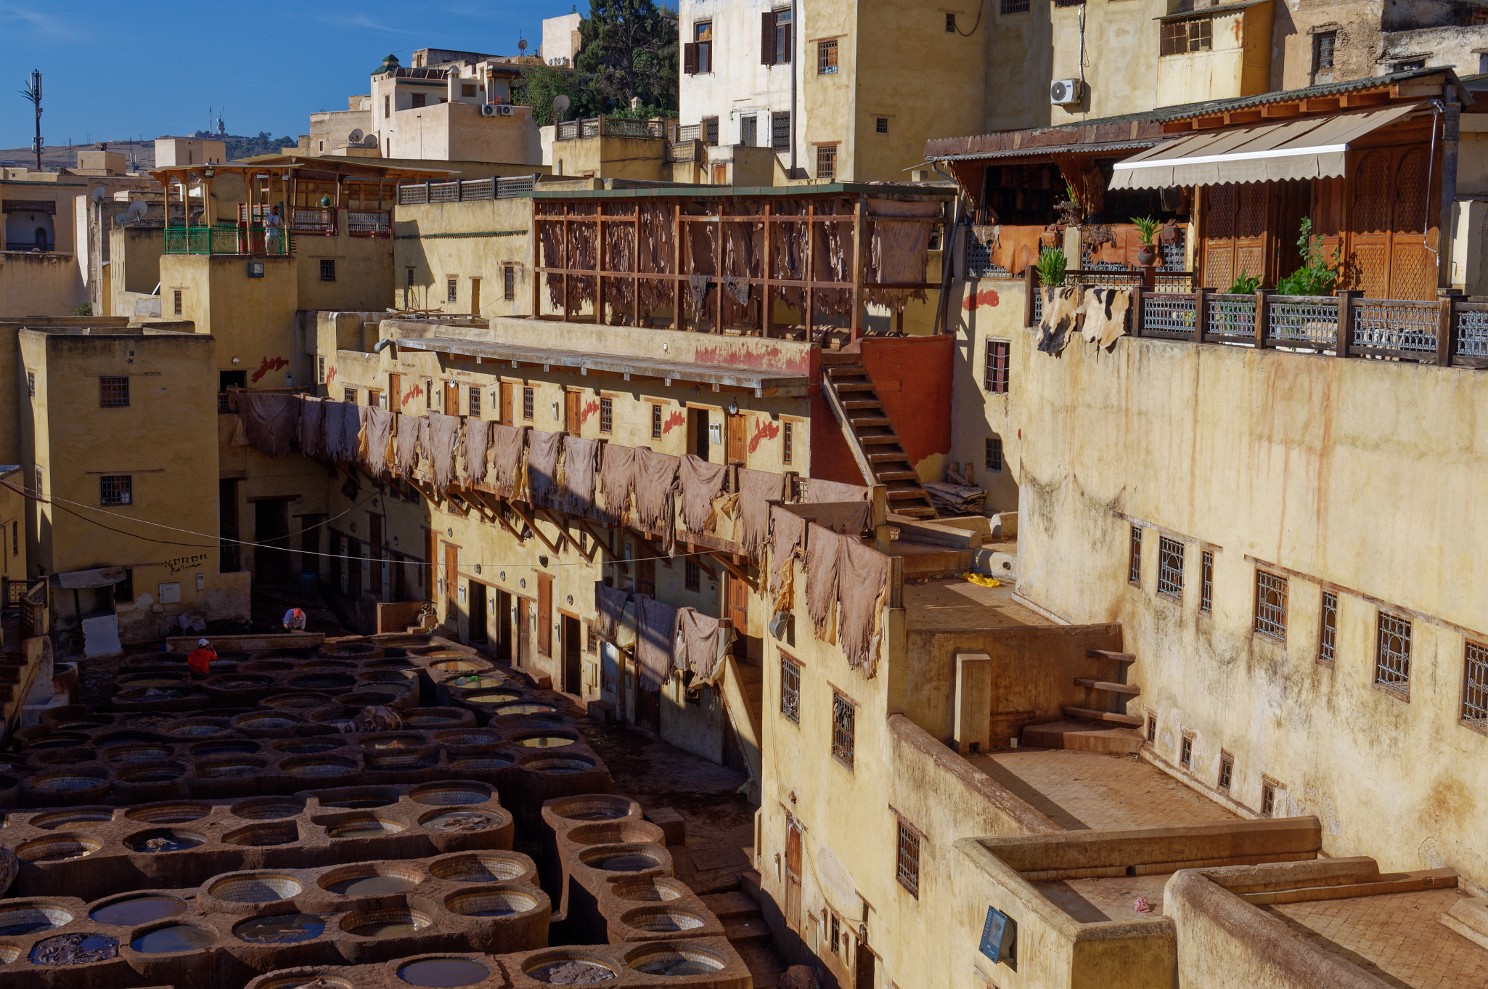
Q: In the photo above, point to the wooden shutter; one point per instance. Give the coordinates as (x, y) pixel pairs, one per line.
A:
(690, 58)
(767, 38)
(545, 614)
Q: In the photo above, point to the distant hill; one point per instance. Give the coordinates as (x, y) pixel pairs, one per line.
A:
(141, 153)
(239, 146)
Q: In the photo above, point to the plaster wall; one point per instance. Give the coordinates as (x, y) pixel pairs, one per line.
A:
(456, 131)
(984, 311)
(611, 157)
(252, 319)
(1238, 64)
(40, 285)
(13, 524)
(463, 241)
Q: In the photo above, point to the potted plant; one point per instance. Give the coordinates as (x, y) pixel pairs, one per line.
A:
(1147, 232)
(1051, 267)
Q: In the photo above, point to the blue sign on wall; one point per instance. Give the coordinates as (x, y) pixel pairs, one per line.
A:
(998, 936)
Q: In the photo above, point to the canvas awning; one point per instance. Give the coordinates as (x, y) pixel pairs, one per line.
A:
(1309, 148)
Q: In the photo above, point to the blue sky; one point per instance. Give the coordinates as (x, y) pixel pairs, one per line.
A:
(115, 70)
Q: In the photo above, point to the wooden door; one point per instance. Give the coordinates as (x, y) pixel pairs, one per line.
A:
(544, 614)
(475, 309)
(431, 556)
(736, 609)
(395, 391)
(1388, 217)
(524, 631)
(793, 874)
(451, 398)
(1234, 223)
(451, 581)
(573, 411)
(374, 542)
(506, 403)
(737, 450)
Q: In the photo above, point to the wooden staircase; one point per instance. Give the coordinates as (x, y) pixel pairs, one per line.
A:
(1104, 726)
(870, 435)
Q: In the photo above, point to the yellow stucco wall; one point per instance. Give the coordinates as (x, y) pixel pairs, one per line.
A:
(463, 241)
(1238, 64)
(13, 524)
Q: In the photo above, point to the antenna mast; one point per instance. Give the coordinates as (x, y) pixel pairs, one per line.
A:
(32, 93)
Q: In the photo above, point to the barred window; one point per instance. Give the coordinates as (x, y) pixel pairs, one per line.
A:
(692, 575)
(1475, 684)
(788, 443)
(1195, 34)
(1134, 561)
(327, 270)
(113, 391)
(1206, 581)
(1323, 45)
(995, 375)
(527, 403)
(31, 384)
(1393, 655)
(1226, 770)
(116, 489)
(1152, 726)
(881, 125)
(656, 422)
(1169, 567)
(1185, 751)
(176, 305)
(993, 458)
(1271, 604)
(320, 371)
(780, 131)
(349, 394)
(826, 58)
(790, 689)
(826, 161)
(1268, 797)
(606, 414)
(1014, 6)
(509, 282)
(40, 489)
(1328, 628)
(844, 716)
(907, 862)
(452, 289)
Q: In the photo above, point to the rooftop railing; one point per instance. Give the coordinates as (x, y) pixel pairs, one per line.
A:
(228, 239)
(572, 130)
(466, 191)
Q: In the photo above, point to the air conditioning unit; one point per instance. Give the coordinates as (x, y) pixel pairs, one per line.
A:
(505, 109)
(1065, 92)
(489, 109)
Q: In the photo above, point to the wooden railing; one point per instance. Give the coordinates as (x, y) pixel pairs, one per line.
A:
(467, 191)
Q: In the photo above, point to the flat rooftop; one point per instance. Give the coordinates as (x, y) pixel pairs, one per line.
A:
(950, 604)
(1397, 937)
(1098, 791)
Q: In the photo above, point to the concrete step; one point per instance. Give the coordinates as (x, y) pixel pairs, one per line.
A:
(1119, 657)
(1081, 736)
(1126, 689)
(727, 906)
(1108, 717)
(741, 930)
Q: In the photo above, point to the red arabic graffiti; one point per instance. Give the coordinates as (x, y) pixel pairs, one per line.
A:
(588, 411)
(678, 418)
(416, 391)
(987, 298)
(330, 375)
(766, 430)
(269, 364)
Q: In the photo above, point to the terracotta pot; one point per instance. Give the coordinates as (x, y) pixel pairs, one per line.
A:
(1146, 254)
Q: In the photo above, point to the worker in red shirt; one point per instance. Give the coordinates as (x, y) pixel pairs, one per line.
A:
(201, 659)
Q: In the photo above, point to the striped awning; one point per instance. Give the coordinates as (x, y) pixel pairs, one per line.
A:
(1306, 148)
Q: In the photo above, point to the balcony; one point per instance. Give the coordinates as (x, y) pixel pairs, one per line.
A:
(467, 191)
(226, 239)
(656, 130)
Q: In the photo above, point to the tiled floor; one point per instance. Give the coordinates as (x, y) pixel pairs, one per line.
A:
(1397, 937)
(1091, 790)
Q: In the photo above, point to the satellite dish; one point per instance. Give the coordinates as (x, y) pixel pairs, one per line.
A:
(560, 105)
(355, 137)
(137, 209)
(370, 141)
(99, 194)
(522, 45)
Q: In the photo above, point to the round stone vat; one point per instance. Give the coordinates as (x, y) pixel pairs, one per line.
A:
(622, 858)
(364, 826)
(134, 909)
(593, 807)
(254, 887)
(481, 867)
(268, 808)
(461, 821)
(21, 917)
(174, 812)
(372, 879)
(280, 928)
(59, 847)
(264, 834)
(171, 938)
(491, 902)
(568, 967)
(68, 818)
(675, 959)
(453, 794)
(443, 971)
(158, 841)
(319, 766)
(616, 832)
(662, 920)
(384, 922)
(649, 889)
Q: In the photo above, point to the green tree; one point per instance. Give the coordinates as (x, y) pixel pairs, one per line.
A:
(541, 84)
(629, 52)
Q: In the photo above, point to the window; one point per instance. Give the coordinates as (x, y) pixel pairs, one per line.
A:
(697, 58)
(995, 373)
(710, 131)
(1392, 660)
(1152, 727)
(907, 862)
(31, 383)
(527, 403)
(417, 100)
(176, 302)
(124, 589)
(467, 89)
(1328, 628)
(749, 130)
(475, 405)
(1185, 751)
(1226, 771)
(452, 289)
(1206, 581)
(780, 131)
(428, 393)
(1474, 677)
(387, 107)
(327, 271)
(1268, 797)
(1271, 605)
(692, 575)
(1323, 45)
(836, 933)
(656, 422)
(826, 58)
(844, 714)
(790, 689)
(1409, 65)
(788, 443)
(320, 371)
(1194, 34)
(1169, 567)
(375, 399)
(826, 161)
(775, 37)
(950, 23)
(116, 489)
(1014, 6)
(1134, 561)
(509, 282)
(113, 391)
(606, 415)
(15, 538)
(994, 453)
(880, 125)
(349, 395)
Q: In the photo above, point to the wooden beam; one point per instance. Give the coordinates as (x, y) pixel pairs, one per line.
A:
(736, 571)
(531, 523)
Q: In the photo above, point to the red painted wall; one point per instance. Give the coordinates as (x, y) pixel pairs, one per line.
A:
(913, 378)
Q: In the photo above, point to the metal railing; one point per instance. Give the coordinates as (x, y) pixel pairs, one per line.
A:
(1230, 318)
(1388, 326)
(1302, 322)
(572, 130)
(228, 239)
(467, 191)
(1171, 316)
(29, 247)
(369, 223)
(313, 220)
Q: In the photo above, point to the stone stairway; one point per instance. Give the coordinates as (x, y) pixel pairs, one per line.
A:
(744, 925)
(875, 445)
(1105, 726)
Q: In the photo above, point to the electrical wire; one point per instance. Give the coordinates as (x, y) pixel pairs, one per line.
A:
(61, 504)
(967, 34)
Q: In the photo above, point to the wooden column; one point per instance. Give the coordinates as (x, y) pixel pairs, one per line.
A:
(860, 265)
(635, 267)
(718, 274)
(1446, 330)
(766, 323)
(1451, 113)
(1262, 317)
(599, 263)
(1346, 300)
(1201, 314)
(810, 270)
(677, 279)
(536, 289)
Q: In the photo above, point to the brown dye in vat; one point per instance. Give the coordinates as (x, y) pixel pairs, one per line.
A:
(176, 937)
(284, 928)
(445, 973)
(571, 973)
(136, 910)
(372, 886)
(75, 949)
(545, 742)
